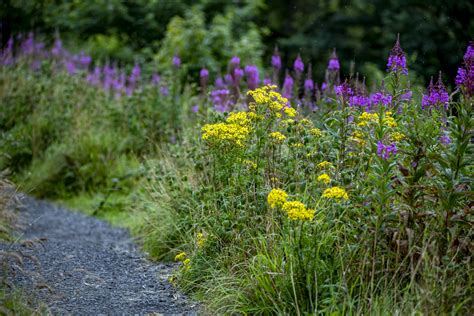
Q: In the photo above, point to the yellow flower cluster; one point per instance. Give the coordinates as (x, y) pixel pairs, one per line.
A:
(316, 132)
(397, 136)
(291, 112)
(324, 178)
(297, 145)
(358, 137)
(200, 240)
(278, 137)
(324, 164)
(367, 117)
(388, 120)
(180, 256)
(336, 193)
(298, 211)
(250, 164)
(241, 118)
(273, 100)
(276, 198)
(235, 134)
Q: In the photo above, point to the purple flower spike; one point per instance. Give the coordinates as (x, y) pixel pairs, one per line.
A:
(57, 49)
(71, 67)
(176, 61)
(445, 139)
(465, 75)
(219, 83)
(397, 62)
(238, 74)
(436, 96)
(385, 151)
(221, 100)
(204, 73)
(276, 60)
(251, 71)
(309, 85)
(333, 64)
(234, 61)
(6, 55)
(344, 90)
(288, 86)
(155, 79)
(380, 98)
(298, 65)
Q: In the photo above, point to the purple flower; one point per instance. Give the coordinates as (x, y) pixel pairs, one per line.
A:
(251, 72)
(195, 108)
(359, 100)
(221, 100)
(94, 77)
(234, 61)
(298, 65)
(155, 79)
(437, 95)
(407, 95)
(237, 75)
(204, 73)
(28, 46)
(83, 59)
(228, 79)
(135, 74)
(465, 75)
(324, 86)
(343, 90)
(176, 61)
(267, 81)
(385, 151)
(445, 139)
(333, 64)
(219, 83)
(164, 90)
(57, 49)
(309, 85)
(397, 62)
(288, 86)
(276, 60)
(71, 67)
(380, 98)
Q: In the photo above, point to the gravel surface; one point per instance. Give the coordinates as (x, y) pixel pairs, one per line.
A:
(80, 265)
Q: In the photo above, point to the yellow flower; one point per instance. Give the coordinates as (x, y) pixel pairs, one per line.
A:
(297, 145)
(336, 193)
(305, 122)
(324, 178)
(276, 198)
(291, 112)
(358, 137)
(367, 117)
(324, 164)
(200, 240)
(298, 211)
(388, 120)
(180, 256)
(278, 137)
(250, 164)
(241, 118)
(397, 136)
(231, 133)
(274, 101)
(316, 132)
(187, 262)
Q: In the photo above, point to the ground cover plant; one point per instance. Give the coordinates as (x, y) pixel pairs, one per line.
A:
(278, 197)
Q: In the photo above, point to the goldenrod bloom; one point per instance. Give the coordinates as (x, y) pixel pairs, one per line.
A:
(324, 164)
(200, 240)
(397, 136)
(276, 198)
(367, 117)
(298, 211)
(324, 178)
(278, 137)
(316, 132)
(180, 256)
(235, 134)
(336, 193)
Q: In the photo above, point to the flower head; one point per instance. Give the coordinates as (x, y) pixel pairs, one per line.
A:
(335, 193)
(324, 178)
(288, 86)
(397, 62)
(276, 60)
(437, 95)
(180, 256)
(465, 75)
(277, 137)
(298, 65)
(251, 71)
(234, 61)
(333, 64)
(276, 198)
(298, 211)
(385, 151)
(176, 61)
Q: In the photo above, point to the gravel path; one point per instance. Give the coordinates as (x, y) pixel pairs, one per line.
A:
(80, 265)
